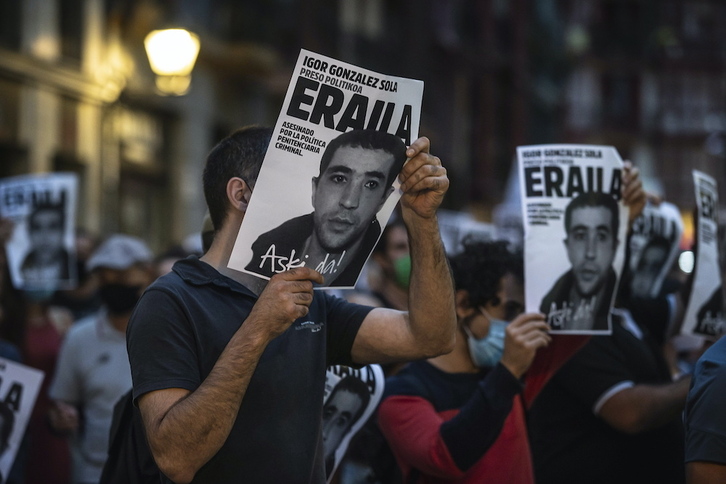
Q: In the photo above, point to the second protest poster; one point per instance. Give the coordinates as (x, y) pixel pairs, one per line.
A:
(328, 182)
(575, 227)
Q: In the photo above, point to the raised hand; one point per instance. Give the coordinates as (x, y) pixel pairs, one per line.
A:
(423, 180)
(632, 190)
(524, 336)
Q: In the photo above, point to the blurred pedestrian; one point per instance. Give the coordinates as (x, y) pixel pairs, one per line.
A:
(460, 417)
(705, 418)
(93, 368)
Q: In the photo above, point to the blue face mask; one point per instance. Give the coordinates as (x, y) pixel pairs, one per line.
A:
(487, 351)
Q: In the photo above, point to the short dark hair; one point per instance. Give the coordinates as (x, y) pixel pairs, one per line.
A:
(593, 199)
(40, 207)
(238, 155)
(480, 266)
(8, 422)
(354, 385)
(369, 139)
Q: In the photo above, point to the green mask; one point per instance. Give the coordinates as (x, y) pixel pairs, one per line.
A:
(402, 269)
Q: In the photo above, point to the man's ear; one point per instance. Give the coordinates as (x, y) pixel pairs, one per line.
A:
(464, 308)
(238, 194)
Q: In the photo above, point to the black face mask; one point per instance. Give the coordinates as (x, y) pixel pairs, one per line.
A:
(119, 298)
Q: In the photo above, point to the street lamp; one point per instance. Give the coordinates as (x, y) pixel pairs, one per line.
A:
(172, 53)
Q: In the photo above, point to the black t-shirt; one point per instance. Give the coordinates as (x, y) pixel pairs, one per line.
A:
(570, 444)
(176, 334)
(705, 413)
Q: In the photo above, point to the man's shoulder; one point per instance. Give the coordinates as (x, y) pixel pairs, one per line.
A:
(83, 328)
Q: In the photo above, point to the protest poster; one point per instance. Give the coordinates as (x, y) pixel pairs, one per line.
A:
(328, 182)
(704, 315)
(19, 387)
(574, 234)
(455, 227)
(41, 252)
(351, 396)
(653, 244)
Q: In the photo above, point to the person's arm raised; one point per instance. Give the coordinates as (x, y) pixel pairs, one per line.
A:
(428, 328)
(186, 429)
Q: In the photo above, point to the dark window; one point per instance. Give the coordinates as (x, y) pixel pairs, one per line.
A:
(10, 24)
(71, 28)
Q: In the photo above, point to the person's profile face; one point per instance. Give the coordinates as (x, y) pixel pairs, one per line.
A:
(46, 231)
(590, 247)
(338, 414)
(347, 196)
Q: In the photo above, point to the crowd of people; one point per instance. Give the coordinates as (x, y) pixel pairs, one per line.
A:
(77, 337)
(225, 371)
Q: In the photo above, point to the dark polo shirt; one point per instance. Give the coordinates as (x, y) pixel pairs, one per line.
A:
(176, 334)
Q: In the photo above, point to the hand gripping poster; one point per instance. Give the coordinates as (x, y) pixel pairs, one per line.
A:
(653, 244)
(328, 182)
(574, 234)
(41, 251)
(19, 387)
(704, 315)
(351, 396)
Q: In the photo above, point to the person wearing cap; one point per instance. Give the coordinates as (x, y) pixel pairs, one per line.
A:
(93, 367)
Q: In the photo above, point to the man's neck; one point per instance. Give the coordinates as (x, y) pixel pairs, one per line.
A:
(119, 322)
(219, 254)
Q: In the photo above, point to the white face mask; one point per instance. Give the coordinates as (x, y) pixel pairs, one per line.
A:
(487, 351)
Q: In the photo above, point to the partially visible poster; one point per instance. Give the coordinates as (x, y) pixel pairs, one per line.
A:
(19, 387)
(574, 234)
(41, 251)
(351, 396)
(329, 182)
(653, 242)
(704, 315)
(455, 227)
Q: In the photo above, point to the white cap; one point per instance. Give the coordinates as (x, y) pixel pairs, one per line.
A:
(119, 252)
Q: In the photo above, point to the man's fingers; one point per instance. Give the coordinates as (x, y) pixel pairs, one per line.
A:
(299, 274)
(425, 177)
(421, 145)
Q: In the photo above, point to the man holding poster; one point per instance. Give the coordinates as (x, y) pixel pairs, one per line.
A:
(356, 178)
(582, 189)
(704, 314)
(229, 369)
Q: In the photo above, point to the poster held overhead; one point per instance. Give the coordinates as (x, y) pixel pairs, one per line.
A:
(328, 182)
(653, 243)
(574, 231)
(704, 315)
(41, 251)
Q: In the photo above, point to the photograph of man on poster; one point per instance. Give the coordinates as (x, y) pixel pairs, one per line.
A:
(356, 176)
(581, 298)
(652, 259)
(48, 261)
(341, 411)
